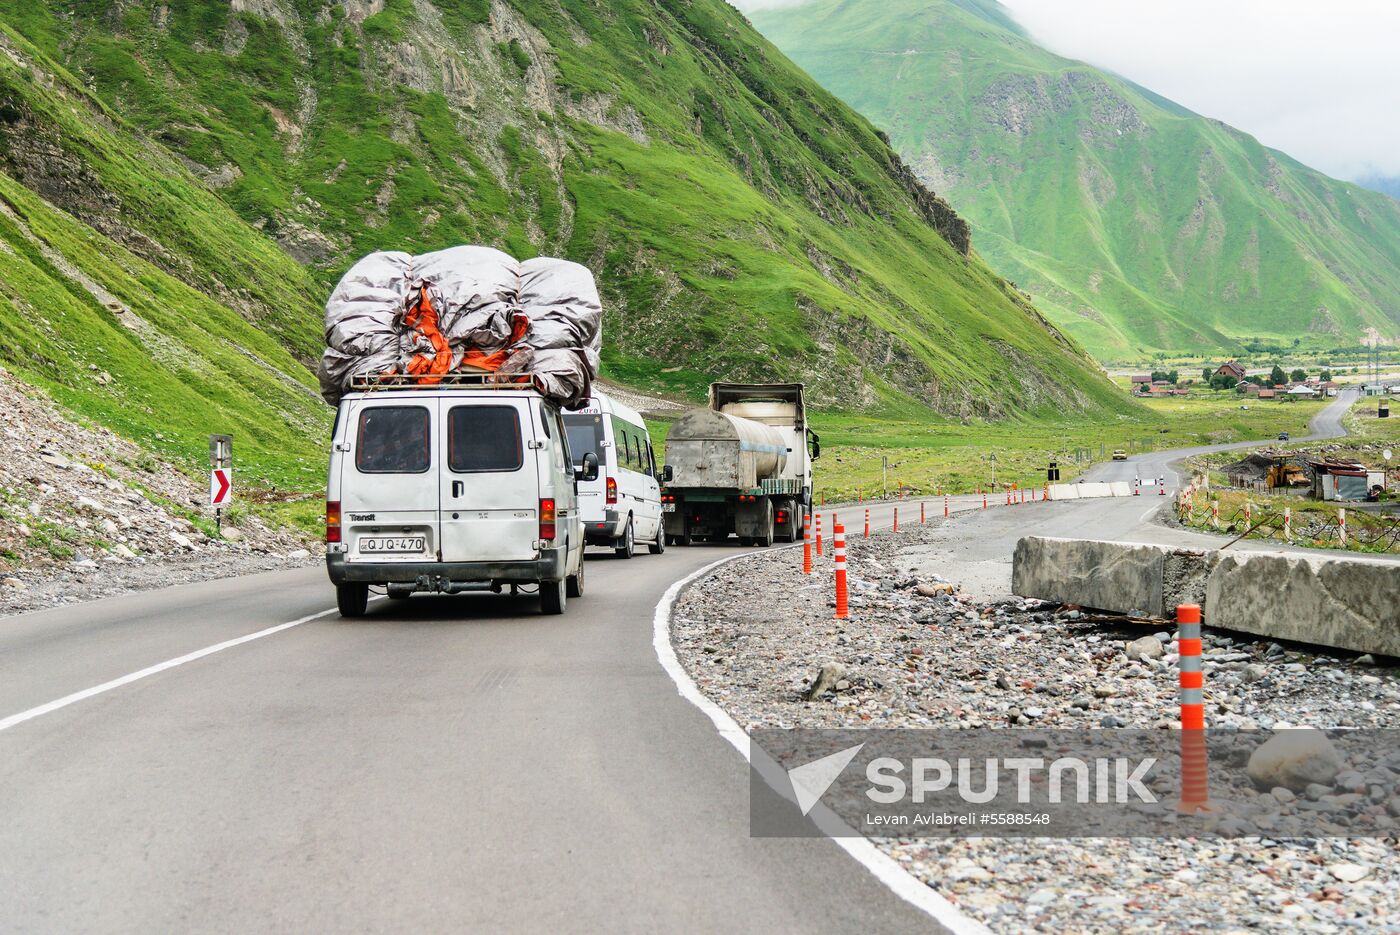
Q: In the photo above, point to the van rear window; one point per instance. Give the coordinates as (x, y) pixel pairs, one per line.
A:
(585, 435)
(393, 440)
(483, 438)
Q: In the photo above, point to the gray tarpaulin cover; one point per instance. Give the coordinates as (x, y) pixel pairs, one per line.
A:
(464, 309)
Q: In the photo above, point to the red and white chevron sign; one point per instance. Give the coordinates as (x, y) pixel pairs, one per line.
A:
(220, 486)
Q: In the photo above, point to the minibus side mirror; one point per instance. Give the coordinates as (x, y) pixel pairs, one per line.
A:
(666, 474)
(588, 468)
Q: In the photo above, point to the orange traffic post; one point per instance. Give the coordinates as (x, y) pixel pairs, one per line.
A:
(896, 519)
(819, 535)
(860, 495)
(838, 533)
(1162, 492)
(984, 501)
(867, 522)
(807, 543)
(1195, 791)
(945, 506)
(921, 512)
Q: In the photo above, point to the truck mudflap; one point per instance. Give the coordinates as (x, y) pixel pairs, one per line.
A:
(439, 576)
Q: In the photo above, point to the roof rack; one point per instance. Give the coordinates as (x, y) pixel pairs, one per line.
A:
(372, 382)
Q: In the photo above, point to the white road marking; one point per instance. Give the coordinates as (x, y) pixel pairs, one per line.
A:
(879, 864)
(159, 667)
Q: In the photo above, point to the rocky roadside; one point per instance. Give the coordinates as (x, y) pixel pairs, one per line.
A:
(918, 653)
(87, 514)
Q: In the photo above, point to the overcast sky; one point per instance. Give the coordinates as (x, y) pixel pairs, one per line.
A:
(1318, 80)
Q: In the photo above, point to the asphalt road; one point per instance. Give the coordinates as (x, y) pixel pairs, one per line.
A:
(442, 764)
(445, 764)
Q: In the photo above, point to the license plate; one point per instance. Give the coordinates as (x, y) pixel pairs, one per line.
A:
(668, 508)
(392, 543)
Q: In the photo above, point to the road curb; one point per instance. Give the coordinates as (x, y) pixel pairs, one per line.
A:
(880, 865)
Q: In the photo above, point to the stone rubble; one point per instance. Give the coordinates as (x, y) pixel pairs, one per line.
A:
(914, 656)
(85, 513)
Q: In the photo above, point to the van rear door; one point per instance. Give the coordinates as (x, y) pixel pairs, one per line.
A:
(388, 481)
(489, 485)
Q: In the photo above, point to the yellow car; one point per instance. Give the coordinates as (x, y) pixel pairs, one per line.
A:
(1120, 455)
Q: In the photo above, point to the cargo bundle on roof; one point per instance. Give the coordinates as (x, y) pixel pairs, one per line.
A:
(466, 309)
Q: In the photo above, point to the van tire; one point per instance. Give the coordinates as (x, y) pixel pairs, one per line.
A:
(573, 585)
(352, 599)
(625, 544)
(659, 546)
(553, 597)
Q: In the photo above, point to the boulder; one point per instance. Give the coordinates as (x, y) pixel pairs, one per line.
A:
(1144, 648)
(1294, 759)
(827, 677)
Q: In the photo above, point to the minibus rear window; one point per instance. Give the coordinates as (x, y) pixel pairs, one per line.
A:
(585, 435)
(393, 440)
(483, 438)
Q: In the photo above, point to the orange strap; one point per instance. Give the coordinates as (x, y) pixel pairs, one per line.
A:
(423, 318)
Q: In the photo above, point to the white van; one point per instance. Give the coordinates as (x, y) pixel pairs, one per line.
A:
(452, 488)
(623, 506)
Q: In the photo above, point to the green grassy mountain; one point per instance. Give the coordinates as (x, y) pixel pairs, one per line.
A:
(237, 156)
(1137, 225)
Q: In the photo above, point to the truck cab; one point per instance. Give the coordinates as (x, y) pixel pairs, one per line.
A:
(451, 488)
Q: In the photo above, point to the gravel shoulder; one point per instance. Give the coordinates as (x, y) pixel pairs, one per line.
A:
(915, 656)
(86, 514)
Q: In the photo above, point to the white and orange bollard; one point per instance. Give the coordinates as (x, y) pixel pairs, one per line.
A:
(1288, 524)
(921, 512)
(1215, 514)
(867, 522)
(838, 539)
(945, 506)
(896, 519)
(1248, 514)
(984, 501)
(1195, 786)
(807, 543)
(1137, 486)
(1162, 491)
(1342, 527)
(819, 535)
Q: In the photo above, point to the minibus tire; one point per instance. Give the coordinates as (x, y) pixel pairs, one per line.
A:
(352, 599)
(573, 586)
(659, 546)
(553, 597)
(626, 543)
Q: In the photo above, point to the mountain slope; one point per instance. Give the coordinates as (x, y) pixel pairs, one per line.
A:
(163, 356)
(1136, 224)
(742, 221)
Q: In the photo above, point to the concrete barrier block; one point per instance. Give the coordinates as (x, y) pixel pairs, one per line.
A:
(1347, 602)
(1090, 489)
(1120, 488)
(1115, 576)
(1063, 492)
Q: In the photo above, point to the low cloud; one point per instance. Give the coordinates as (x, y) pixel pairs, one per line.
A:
(1320, 81)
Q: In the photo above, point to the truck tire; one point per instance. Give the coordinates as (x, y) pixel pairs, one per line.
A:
(625, 545)
(746, 540)
(352, 599)
(765, 540)
(553, 597)
(573, 586)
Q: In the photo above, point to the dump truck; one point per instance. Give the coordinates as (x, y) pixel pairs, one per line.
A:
(741, 467)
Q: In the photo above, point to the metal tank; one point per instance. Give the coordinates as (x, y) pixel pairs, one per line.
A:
(712, 449)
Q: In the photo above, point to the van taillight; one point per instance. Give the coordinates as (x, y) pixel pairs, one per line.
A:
(612, 490)
(547, 518)
(332, 520)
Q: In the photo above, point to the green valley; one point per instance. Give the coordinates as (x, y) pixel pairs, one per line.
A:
(1140, 227)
